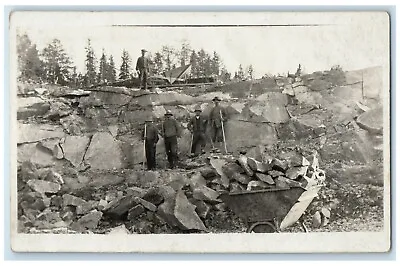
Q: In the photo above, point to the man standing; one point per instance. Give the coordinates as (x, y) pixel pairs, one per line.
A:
(216, 118)
(142, 67)
(171, 131)
(151, 138)
(197, 125)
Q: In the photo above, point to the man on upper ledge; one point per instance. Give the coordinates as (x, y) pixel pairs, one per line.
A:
(142, 67)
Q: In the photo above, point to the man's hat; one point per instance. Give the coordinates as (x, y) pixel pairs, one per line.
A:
(197, 109)
(216, 99)
(144, 50)
(168, 113)
(149, 119)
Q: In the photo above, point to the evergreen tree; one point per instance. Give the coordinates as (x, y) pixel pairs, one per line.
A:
(111, 72)
(194, 64)
(240, 73)
(250, 71)
(158, 63)
(124, 70)
(90, 64)
(215, 65)
(29, 63)
(168, 53)
(57, 64)
(184, 53)
(103, 68)
(201, 59)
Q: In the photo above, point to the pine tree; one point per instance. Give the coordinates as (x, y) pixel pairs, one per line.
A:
(215, 66)
(240, 73)
(201, 59)
(250, 71)
(124, 70)
(29, 63)
(90, 61)
(103, 67)
(158, 63)
(111, 72)
(168, 54)
(184, 53)
(194, 64)
(57, 64)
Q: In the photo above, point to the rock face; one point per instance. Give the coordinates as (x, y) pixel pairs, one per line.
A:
(74, 149)
(33, 132)
(103, 152)
(270, 112)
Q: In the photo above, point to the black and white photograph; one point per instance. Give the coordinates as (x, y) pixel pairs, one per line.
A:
(200, 131)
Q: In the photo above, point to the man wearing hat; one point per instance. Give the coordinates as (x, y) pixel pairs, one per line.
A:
(151, 138)
(171, 133)
(197, 125)
(216, 118)
(142, 67)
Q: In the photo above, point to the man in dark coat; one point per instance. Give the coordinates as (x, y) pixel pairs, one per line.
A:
(151, 138)
(142, 66)
(197, 125)
(171, 133)
(216, 118)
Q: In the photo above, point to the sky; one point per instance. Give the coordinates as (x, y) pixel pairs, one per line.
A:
(351, 40)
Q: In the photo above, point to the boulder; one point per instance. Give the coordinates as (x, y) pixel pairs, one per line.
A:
(202, 208)
(185, 214)
(166, 211)
(197, 180)
(265, 178)
(42, 186)
(372, 121)
(256, 185)
(119, 207)
(36, 154)
(153, 196)
(148, 205)
(103, 152)
(270, 112)
(230, 169)
(279, 165)
(74, 148)
(274, 173)
(70, 200)
(206, 194)
(88, 221)
(207, 172)
(119, 230)
(135, 212)
(236, 187)
(31, 107)
(36, 132)
(176, 180)
(241, 178)
(135, 191)
(217, 164)
(257, 166)
(243, 163)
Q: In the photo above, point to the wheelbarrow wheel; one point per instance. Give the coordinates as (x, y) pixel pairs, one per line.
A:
(262, 227)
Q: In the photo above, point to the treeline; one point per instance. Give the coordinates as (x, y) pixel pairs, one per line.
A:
(53, 64)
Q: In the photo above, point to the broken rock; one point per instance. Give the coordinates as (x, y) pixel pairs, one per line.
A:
(42, 186)
(119, 230)
(148, 205)
(243, 163)
(88, 221)
(217, 165)
(275, 173)
(372, 120)
(206, 194)
(135, 191)
(282, 183)
(236, 187)
(265, 178)
(197, 180)
(119, 207)
(295, 172)
(316, 220)
(135, 212)
(185, 213)
(256, 185)
(230, 169)
(74, 148)
(241, 178)
(70, 200)
(37, 132)
(153, 196)
(257, 166)
(279, 165)
(202, 208)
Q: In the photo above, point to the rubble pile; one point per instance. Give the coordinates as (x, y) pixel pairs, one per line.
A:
(74, 140)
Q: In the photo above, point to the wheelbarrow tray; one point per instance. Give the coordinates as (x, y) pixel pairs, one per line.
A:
(262, 205)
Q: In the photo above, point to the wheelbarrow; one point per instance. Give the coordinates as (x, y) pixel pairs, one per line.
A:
(270, 210)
